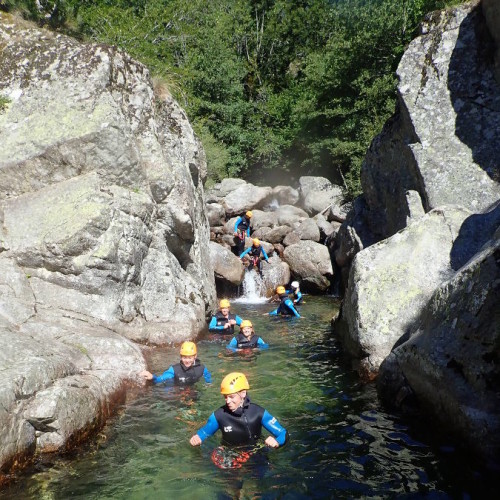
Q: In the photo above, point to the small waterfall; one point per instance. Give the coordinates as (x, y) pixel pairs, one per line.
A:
(253, 289)
(272, 206)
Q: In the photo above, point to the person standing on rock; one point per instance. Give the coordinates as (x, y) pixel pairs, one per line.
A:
(254, 253)
(239, 420)
(286, 307)
(241, 230)
(187, 372)
(246, 339)
(295, 290)
(223, 321)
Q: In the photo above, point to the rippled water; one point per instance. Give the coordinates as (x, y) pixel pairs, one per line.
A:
(343, 444)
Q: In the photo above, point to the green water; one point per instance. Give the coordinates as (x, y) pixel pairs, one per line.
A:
(342, 443)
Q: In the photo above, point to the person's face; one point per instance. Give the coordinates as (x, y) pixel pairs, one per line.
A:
(233, 401)
(224, 311)
(247, 331)
(188, 361)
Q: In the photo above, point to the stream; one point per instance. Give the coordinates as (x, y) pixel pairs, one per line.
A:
(342, 442)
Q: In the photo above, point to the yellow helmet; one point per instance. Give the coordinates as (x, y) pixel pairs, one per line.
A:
(249, 214)
(256, 242)
(224, 303)
(246, 323)
(188, 349)
(280, 290)
(234, 382)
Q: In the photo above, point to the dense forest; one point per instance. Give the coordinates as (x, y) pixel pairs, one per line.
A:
(292, 87)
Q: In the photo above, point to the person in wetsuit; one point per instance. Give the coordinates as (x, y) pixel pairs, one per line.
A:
(246, 339)
(223, 322)
(286, 307)
(254, 252)
(187, 372)
(239, 420)
(295, 290)
(241, 230)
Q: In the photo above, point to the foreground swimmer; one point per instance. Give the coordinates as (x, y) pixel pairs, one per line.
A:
(286, 307)
(246, 339)
(188, 371)
(224, 321)
(239, 420)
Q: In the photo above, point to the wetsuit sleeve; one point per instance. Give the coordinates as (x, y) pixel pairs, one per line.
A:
(166, 375)
(264, 254)
(232, 345)
(262, 344)
(238, 320)
(245, 252)
(207, 375)
(210, 428)
(288, 292)
(299, 297)
(274, 427)
(289, 303)
(238, 220)
(213, 324)
(248, 231)
(274, 313)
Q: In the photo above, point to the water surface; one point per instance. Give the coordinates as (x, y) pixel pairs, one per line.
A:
(343, 444)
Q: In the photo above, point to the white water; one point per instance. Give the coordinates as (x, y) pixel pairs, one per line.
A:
(253, 291)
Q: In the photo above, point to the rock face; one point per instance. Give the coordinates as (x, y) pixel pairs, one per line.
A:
(103, 233)
(451, 363)
(443, 140)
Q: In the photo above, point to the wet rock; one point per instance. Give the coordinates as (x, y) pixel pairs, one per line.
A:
(227, 266)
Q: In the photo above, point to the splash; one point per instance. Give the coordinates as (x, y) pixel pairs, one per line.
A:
(253, 291)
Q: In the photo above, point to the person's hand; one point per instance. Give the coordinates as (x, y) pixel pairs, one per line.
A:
(232, 321)
(271, 442)
(196, 440)
(227, 325)
(235, 234)
(147, 375)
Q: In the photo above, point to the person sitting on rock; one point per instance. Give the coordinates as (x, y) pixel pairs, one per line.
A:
(187, 372)
(239, 420)
(223, 322)
(246, 339)
(295, 290)
(241, 230)
(254, 254)
(286, 307)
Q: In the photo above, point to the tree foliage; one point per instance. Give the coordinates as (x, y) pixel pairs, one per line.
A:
(301, 86)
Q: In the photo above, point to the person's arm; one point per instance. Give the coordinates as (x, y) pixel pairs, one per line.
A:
(261, 344)
(264, 254)
(274, 313)
(275, 428)
(289, 303)
(207, 375)
(209, 429)
(166, 375)
(237, 319)
(232, 346)
(248, 231)
(213, 324)
(299, 297)
(245, 252)
(238, 220)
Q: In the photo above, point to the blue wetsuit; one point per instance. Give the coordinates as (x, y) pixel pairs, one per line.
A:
(297, 296)
(243, 426)
(244, 225)
(182, 375)
(285, 308)
(255, 252)
(241, 342)
(218, 321)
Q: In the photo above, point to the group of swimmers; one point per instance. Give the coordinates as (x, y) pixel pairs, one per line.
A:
(239, 420)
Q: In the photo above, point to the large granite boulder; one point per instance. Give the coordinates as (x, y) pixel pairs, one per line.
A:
(104, 234)
(451, 362)
(311, 264)
(245, 197)
(227, 266)
(318, 194)
(391, 282)
(443, 140)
